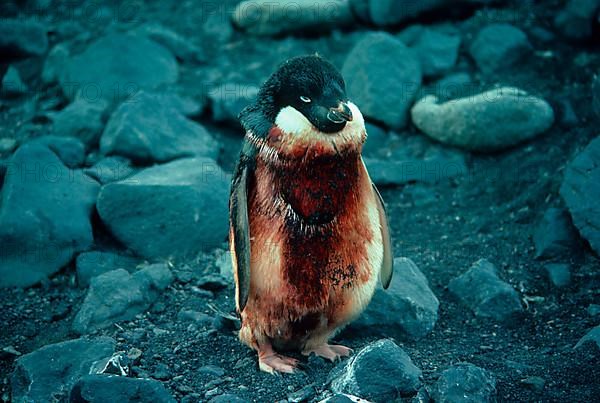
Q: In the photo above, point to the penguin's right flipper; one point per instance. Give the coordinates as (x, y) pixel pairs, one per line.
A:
(239, 230)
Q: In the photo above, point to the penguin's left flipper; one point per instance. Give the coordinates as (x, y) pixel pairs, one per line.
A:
(240, 228)
(387, 265)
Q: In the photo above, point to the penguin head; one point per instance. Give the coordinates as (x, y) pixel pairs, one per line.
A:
(306, 89)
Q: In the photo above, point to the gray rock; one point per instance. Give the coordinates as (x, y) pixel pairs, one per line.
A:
(12, 84)
(555, 236)
(162, 372)
(392, 12)
(111, 169)
(200, 318)
(485, 294)
(106, 388)
(360, 8)
(47, 374)
(228, 100)
(432, 169)
(70, 150)
(576, 19)
(212, 282)
(593, 309)
(464, 383)
(228, 398)
(92, 264)
(151, 128)
(118, 295)
(56, 59)
(593, 336)
(264, 17)
(534, 383)
(581, 191)
(422, 396)
(305, 394)
(380, 71)
(408, 305)
(455, 85)
(411, 34)
(45, 211)
(499, 46)
(380, 371)
(21, 37)
(559, 274)
(181, 47)
(568, 117)
(490, 121)
(83, 119)
(436, 51)
(183, 205)
(116, 67)
(7, 145)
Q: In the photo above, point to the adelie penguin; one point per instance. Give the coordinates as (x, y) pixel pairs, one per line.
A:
(308, 230)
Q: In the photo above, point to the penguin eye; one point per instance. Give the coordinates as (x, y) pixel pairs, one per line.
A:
(305, 99)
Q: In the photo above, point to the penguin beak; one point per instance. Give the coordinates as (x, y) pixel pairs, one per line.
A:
(340, 114)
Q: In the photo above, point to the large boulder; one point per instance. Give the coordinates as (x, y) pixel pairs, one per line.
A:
(265, 17)
(407, 307)
(175, 209)
(490, 121)
(69, 150)
(464, 383)
(499, 46)
(83, 119)
(581, 191)
(228, 100)
(152, 127)
(20, 37)
(380, 371)
(45, 214)
(383, 77)
(392, 12)
(47, 374)
(576, 19)
(118, 295)
(481, 290)
(555, 236)
(116, 67)
(12, 83)
(437, 51)
(558, 274)
(180, 46)
(92, 264)
(111, 169)
(591, 337)
(113, 388)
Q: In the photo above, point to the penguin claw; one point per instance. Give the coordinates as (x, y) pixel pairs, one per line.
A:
(276, 364)
(332, 352)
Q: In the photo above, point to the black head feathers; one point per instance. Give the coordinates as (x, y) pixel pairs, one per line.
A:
(309, 84)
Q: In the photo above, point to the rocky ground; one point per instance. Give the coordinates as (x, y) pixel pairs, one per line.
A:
(118, 134)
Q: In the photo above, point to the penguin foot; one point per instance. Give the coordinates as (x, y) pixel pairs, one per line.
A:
(274, 363)
(331, 352)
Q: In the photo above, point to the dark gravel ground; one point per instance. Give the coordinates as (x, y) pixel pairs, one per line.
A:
(490, 213)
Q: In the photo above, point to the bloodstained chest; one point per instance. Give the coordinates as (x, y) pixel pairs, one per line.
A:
(319, 190)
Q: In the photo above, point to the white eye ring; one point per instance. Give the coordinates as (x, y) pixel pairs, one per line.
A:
(305, 99)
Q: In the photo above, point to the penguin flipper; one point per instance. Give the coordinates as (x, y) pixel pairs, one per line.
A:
(387, 265)
(239, 231)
